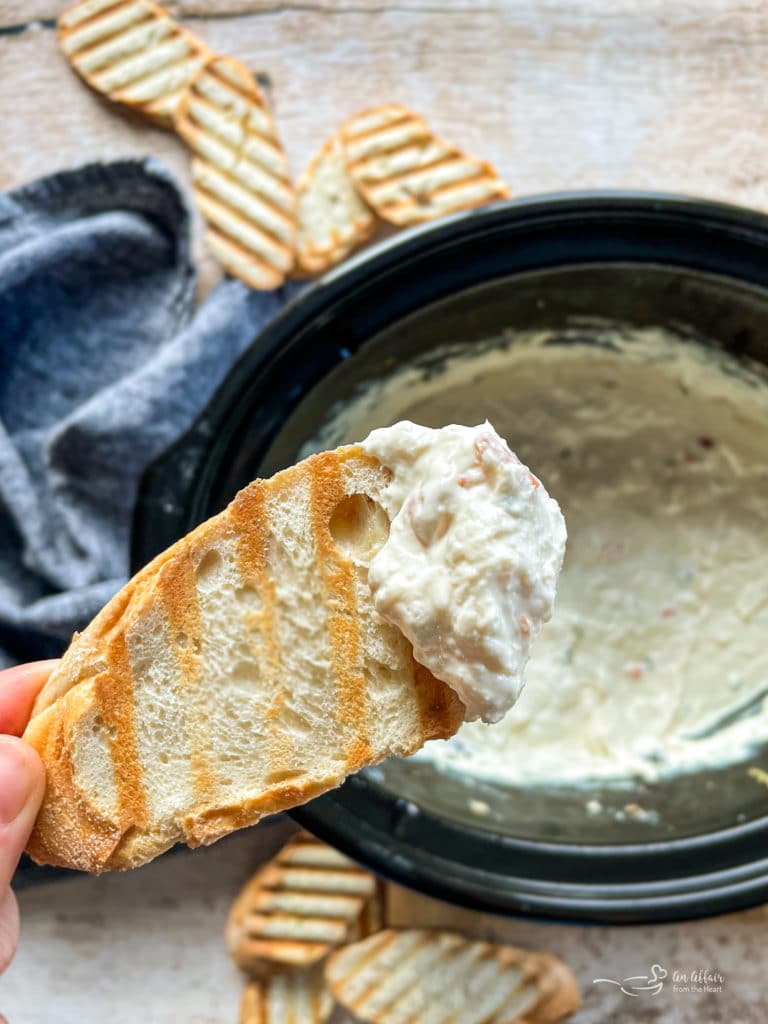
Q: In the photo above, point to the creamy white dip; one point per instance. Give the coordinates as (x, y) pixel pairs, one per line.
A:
(469, 570)
(657, 657)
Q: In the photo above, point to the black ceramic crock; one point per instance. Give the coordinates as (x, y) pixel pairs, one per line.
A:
(698, 266)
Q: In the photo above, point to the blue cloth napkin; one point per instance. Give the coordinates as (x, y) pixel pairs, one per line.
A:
(104, 361)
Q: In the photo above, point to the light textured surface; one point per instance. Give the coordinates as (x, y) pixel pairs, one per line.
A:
(95, 949)
(559, 94)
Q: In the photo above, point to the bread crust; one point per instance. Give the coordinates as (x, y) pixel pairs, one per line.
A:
(132, 30)
(381, 979)
(240, 177)
(87, 713)
(301, 904)
(316, 255)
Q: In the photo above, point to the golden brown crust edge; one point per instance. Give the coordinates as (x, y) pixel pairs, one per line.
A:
(266, 954)
(558, 993)
(159, 110)
(94, 674)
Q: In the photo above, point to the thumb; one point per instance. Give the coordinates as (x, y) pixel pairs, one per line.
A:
(22, 782)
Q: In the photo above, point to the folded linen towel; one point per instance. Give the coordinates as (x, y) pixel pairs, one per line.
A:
(103, 363)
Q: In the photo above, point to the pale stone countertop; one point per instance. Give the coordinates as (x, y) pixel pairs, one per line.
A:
(147, 946)
(560, 94)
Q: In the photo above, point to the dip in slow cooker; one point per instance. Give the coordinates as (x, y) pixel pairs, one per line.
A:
(656, 659)
(469, 570)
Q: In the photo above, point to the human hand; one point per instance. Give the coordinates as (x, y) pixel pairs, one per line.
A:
(22, 781)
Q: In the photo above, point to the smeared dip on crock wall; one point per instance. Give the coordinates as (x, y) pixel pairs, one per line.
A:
(470, 567)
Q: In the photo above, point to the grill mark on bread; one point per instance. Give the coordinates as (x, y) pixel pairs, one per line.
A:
(402, 976)
(241, 179)
(386, 177)
(320, 880)
(388, 138)
(87, 10)
(407, 174)
(115, 701)
(112, 54)
(357, 959)
(141, 81)
(231, 82)
(294, 997)
(226, 186)
(242, 262)
(422, 193)
(366, 1001)
(251, 522)
(158, 91)
(236, 227)
(460, 966)
(108, 622)
(218, 155)
(289, 915)
(337, 572)
(177, 584)
(206, 114)
(235, 133)
(66, 779)
(284, 774)
(382, 130)
(88, 33)
(133, 52)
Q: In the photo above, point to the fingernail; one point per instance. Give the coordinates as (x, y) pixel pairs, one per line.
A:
(16, 781)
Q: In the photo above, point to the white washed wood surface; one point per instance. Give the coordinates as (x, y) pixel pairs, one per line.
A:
(561, 94)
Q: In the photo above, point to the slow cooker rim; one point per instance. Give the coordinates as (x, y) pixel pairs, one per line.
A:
(562, 205)
(703, 214)
(701, 895)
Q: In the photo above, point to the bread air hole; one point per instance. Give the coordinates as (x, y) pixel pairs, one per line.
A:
(248, 597)
(100, 728)
(209, 565)
(359, 527)
(284, 776)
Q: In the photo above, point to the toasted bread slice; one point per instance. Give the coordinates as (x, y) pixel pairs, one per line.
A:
(240, 175)
(296, 997)
(244, 671)
(333, 219)
(306, 901)
(133, 52)
(408, 175)
(425, 977)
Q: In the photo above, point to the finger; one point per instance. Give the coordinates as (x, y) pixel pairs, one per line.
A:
(22, 782)
(18, 688)
(9, 929)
